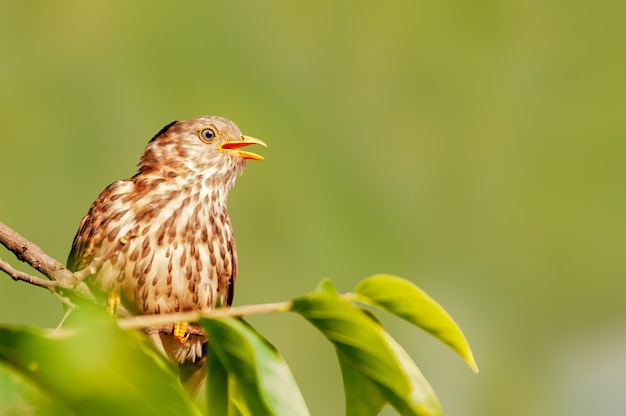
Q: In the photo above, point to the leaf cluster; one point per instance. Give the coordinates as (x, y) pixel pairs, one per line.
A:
(93, 367)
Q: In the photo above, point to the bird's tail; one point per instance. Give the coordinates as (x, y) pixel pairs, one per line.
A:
(192, 375)
(190, 356)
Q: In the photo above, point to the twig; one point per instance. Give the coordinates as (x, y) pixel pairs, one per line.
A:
(19, 275)
(151, 321)
(71, 307)
(65, 300)
(32, 254)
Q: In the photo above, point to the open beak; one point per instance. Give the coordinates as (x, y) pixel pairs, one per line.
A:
(245, 141)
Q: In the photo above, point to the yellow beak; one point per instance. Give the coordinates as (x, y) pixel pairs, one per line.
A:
(245, 141)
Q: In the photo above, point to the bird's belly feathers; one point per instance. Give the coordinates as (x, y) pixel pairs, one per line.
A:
(156, 275)
(167, 279)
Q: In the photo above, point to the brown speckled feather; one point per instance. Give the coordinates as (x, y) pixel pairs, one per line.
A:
(180, 250)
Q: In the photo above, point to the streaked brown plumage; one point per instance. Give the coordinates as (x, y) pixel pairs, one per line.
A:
(179, 252)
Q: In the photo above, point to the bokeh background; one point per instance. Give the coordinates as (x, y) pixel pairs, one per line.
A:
(475, 148)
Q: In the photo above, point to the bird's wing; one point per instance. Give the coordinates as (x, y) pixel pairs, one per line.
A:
(93, 229)
(233, 276)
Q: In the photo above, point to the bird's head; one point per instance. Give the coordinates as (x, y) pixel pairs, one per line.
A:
(207, 146)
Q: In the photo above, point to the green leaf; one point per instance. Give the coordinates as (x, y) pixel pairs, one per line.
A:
(362, 394)
(407, 301)
(260, 380)
(216, 384)
(19, 396)
(94, 368)
(423, 394)
(374, 367)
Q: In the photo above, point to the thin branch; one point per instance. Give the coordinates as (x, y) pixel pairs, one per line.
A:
(19, 275)
(66, 301)
(32, 254)
(152, 321)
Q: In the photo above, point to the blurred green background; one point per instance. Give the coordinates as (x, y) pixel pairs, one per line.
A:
(475, 148)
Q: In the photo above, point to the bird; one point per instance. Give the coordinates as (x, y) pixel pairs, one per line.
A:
(164, 238)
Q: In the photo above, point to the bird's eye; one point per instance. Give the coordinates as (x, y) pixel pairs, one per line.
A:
(207, 135)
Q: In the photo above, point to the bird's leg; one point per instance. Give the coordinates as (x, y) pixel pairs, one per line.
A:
(113, 302)
(180, 331)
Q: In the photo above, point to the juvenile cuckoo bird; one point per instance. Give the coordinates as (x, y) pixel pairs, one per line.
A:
(166, 234)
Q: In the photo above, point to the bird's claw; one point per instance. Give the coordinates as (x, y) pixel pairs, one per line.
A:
(180, 331)
(113, 303)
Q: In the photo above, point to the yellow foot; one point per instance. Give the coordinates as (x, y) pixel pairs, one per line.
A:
(113, 303)
(180, 331)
